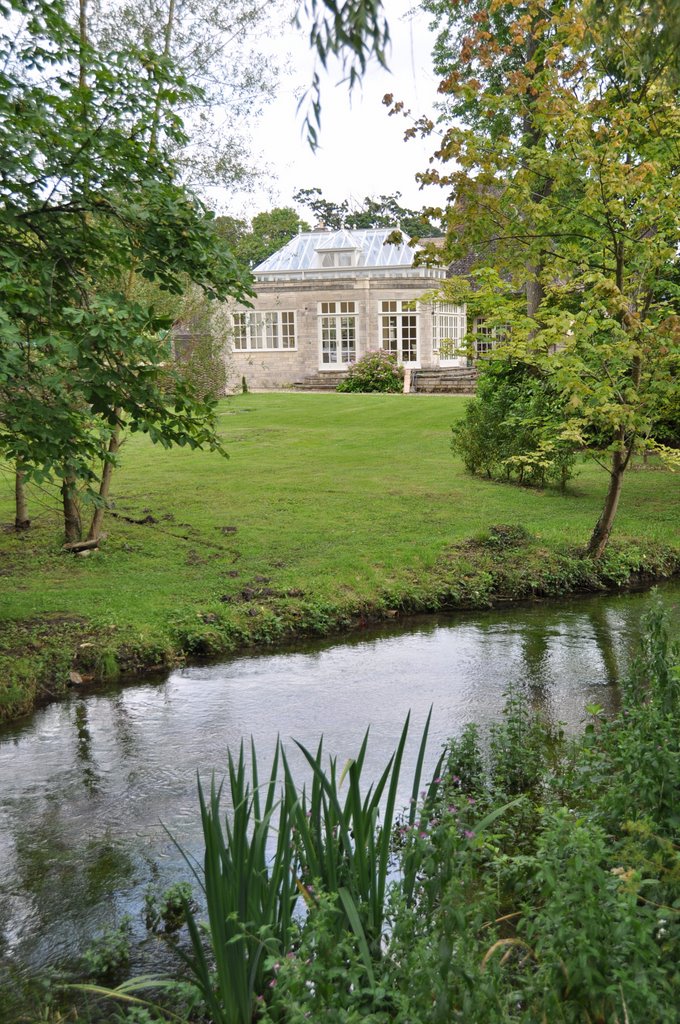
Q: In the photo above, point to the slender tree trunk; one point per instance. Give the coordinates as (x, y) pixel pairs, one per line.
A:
(73, 529)
(622, 456)
(167, 48)
(535, 139)
(21, 520)
(600, 537)
(104, 487)
(114, 442)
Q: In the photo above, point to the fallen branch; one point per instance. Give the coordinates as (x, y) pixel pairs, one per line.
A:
(84, 545)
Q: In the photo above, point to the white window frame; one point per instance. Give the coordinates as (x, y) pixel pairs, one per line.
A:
(449, 327)
(266, 330)
(492, 335)
(337, 334)
(399, 330)
(339, 259)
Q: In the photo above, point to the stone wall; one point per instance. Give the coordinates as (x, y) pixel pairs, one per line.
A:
(267, 370)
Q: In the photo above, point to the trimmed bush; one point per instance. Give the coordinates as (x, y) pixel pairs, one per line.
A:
(376, 371)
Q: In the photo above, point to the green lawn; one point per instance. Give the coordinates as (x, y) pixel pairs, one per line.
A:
(327, 505)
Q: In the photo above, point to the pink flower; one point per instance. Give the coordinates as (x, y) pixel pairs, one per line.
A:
(468, 834)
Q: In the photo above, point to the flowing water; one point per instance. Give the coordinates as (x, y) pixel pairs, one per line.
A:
(90, 787)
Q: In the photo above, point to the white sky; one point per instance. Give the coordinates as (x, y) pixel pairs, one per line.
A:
(362, 151)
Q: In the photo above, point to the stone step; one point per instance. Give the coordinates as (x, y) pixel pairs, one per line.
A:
(454, 381)
(319, 382)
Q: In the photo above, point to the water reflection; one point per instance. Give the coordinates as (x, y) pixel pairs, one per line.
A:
(87, 785)
(84, 748)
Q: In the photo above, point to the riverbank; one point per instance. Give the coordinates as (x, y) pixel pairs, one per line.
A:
(332, 512)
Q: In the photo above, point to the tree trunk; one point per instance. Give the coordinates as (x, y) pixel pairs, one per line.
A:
(73, 530)
(600, 538)
(535, 139)
(167, 45)
(104, 487)
(21, 520)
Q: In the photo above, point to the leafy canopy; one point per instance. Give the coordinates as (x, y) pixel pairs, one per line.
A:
(560, 159)
(90, 195)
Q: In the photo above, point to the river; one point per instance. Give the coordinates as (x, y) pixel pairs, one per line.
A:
(91, 786)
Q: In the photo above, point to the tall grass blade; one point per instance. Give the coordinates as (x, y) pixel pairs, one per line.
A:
(350, 909)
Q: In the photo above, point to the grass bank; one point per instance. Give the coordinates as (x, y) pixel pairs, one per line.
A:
(332, 510)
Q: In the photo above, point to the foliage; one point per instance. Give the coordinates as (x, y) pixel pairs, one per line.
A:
(340, 845)
(249, 891)
(165, 911)
(376, 371)
(254, 872)
(216, 48)
(566, 189)
(269, 231)
(109, 954)
(324, 976)
(509, 431)
(90, 191)
(353, 32)
(383, 212)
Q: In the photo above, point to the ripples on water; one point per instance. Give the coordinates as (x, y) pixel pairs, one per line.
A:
(88, 786)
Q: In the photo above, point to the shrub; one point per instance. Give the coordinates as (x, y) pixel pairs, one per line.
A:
(376, 371)
(109, 953)
(509, 430)
(165, 911)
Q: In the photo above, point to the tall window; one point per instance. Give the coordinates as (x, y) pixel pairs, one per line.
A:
(449, 324)
(268, 331)
(338, 332)
(399, 330)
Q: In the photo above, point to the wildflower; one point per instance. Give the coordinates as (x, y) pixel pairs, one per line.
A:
(423, 835)
(272, 983)
(471, 801)
(437, 780)
(453, 809)
(468, 834)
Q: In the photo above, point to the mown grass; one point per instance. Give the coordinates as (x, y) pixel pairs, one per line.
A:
(330, 510)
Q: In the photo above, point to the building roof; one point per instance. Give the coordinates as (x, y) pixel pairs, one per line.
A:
(303, 253)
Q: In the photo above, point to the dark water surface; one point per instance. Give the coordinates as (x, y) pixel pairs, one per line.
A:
(88, 786)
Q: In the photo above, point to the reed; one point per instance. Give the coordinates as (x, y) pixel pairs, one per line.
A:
(276, 847)
(248, 883)
(346, 845)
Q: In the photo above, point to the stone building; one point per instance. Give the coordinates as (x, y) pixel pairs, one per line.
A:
(328, 297)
